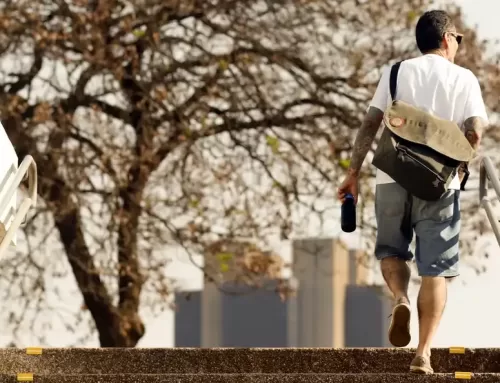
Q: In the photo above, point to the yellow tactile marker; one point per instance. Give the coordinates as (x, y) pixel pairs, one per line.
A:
(25, 377)
(34, 351)
(457, 350)
(463, 375)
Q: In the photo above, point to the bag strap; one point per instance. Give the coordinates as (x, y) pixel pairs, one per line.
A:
(394, 79)
(406, 226)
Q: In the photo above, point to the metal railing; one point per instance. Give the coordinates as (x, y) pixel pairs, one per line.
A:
(27, 168)
(488, 174)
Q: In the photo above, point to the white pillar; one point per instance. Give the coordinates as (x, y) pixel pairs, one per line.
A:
(321, 267)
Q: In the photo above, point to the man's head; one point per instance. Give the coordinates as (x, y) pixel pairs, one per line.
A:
(436, 32)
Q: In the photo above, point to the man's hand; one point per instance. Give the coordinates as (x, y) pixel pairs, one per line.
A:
(350, 185)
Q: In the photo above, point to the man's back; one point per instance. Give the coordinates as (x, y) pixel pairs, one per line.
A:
(436, 85)
(432, 83)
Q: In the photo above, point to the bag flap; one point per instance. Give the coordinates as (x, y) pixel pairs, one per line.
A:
(420, 127)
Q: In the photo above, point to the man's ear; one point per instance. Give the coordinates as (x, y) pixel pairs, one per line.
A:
(446, 42)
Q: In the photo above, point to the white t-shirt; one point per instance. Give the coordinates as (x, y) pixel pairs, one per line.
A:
(436, 85)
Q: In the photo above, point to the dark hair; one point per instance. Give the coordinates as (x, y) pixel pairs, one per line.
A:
(430, 30)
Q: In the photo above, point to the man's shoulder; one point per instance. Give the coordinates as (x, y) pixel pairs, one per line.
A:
(467, 73)
(434, 62)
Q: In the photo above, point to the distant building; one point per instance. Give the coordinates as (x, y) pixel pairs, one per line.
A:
(332, 308)
(367, 311)
(187, 322)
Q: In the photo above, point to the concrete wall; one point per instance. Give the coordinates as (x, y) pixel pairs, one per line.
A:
(242, 318)
(366, 317)
(255, 318)
(359, 270)
(188, 319)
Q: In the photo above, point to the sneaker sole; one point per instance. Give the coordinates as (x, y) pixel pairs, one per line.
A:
(399, 330)
(421, 370)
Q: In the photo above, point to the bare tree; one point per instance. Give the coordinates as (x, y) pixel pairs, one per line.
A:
(164, 123)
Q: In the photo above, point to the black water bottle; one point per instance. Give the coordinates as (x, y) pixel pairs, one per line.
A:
(348, 214)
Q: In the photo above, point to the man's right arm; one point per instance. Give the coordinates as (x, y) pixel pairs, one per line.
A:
(473, 130)
(476, 118)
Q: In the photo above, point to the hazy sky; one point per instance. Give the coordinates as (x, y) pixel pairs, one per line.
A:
(484, 15)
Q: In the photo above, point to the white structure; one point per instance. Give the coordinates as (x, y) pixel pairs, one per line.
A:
(488, 174)
(11, 176)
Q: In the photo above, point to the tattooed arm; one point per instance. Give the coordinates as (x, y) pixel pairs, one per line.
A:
(362, 145)
(364, 139)
(473, 130)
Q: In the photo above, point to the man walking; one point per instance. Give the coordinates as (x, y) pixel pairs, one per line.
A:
(433, 83)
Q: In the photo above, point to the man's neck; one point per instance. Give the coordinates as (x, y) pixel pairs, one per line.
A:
(439, 52)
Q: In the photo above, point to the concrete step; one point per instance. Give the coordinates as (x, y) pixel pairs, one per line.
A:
(254, 378)
(239, 360)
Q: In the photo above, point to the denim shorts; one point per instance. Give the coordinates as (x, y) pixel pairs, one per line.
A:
(436, 226)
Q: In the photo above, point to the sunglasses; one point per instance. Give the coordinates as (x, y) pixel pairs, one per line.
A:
(457, 36)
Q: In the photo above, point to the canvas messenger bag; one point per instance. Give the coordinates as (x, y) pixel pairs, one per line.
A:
(419, 151)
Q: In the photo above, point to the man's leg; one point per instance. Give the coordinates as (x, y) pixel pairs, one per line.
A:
(397, 276)
(396, 273)
(392, 249)
(437, 229)
(431, 302)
